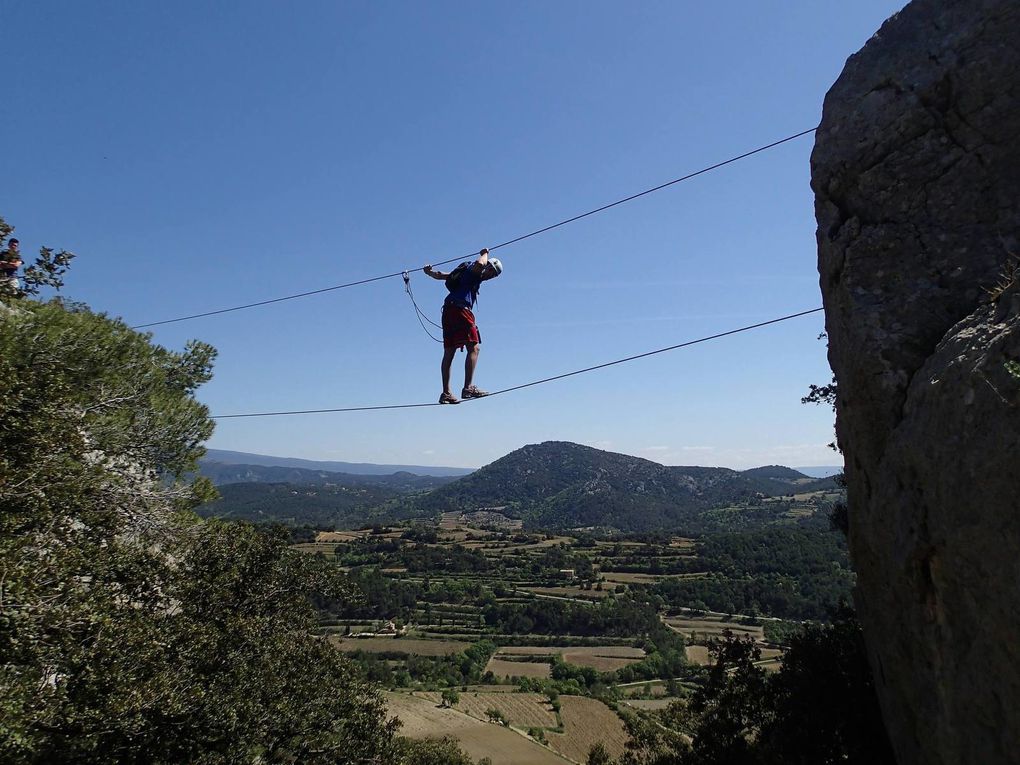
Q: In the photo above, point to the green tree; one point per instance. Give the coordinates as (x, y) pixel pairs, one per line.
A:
(819, 709)
(130, 631)
(444, 751)
(47, 271)
(495, 716)
(599, 755)
(450, 697)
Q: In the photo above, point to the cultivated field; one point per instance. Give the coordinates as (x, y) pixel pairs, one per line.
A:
(649, 704)
(421, 718)
(503, 668)
(603, 658)
(569, 592)
(698, 654)
(585, 723)
(640, 688)
(619, 651)
(336, 536)
(622, 577)
(712, 626)
(400, 645)
(522, 710)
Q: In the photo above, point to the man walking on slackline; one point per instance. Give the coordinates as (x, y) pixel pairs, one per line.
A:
(459, 328)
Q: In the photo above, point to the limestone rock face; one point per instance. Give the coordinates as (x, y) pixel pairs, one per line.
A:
(916, 172)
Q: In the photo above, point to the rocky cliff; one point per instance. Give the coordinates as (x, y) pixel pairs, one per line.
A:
(916, 172)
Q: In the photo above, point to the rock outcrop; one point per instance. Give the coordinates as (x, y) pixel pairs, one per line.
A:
(916, 172)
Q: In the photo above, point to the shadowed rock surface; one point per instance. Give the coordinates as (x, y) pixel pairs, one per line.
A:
(916, 172)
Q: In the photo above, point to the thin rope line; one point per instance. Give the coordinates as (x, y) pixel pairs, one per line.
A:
(660, 350)
(323, 411)
(419, 314)
(495, 247)
(651, 190)
(536, 382)
(407, 286)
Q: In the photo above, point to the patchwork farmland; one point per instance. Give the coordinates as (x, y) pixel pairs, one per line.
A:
(534, 647)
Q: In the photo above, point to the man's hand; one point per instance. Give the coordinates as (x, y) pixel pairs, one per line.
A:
(482, 262)
(429, 271)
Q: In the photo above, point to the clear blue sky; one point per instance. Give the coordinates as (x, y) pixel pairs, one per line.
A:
(200, 155)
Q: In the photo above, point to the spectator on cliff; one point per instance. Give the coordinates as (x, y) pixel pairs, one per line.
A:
(10, 262)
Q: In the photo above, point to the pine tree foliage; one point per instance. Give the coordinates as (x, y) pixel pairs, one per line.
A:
(131, 631)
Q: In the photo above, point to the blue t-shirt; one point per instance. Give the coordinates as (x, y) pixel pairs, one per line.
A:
(466, 290)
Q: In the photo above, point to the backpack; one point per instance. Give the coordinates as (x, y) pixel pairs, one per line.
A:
(455, 274)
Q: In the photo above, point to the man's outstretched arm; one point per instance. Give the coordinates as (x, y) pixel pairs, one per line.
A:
(429, 271)
(483, 260)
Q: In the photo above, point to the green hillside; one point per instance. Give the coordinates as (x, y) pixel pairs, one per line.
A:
(221, 473)
(562, 484)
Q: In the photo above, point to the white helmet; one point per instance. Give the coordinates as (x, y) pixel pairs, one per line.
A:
(494, 262)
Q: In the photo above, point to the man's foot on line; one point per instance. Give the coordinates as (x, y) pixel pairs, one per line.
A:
(448, 398)
(473, 392)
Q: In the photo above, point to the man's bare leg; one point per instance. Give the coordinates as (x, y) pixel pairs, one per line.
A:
(470, 363)
(448, 354)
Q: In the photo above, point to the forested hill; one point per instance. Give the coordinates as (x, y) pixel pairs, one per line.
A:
(227, 457)
(223, 473)
(562, 484)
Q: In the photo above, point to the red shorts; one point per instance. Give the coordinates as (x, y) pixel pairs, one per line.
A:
(459, 327)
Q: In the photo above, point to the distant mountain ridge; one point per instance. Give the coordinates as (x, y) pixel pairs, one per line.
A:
(227, 457)
(563, 484)
(820, 471)
(556, 484)
(221, 474)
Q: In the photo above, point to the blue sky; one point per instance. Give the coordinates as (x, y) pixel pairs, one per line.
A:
(202, 155)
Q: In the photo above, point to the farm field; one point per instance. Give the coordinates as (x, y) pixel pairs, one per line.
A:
(602, 658)
(400, 645)
(599, 660)
(700, 627)
(618, 651)
(653, 705)
(508, 669)
(698, 654)
(336, 536)
(522, 710)
(623, 577)
(421, 718)
(569, 592)
(488, 610)
(640, 688)
(585, 723)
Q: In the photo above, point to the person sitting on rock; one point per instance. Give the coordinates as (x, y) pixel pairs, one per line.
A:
(459, 328)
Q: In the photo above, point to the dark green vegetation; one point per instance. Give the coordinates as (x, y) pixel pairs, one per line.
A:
(548, 485)
(130, 631)
(495, 591)
(227, 457)
(798, 572)
(564, 485)
(490, 589)
(315, 498)
(297, 504)
(133, 631)
(820, 707)
(221, 473)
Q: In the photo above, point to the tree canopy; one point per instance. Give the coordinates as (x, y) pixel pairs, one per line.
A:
(130, 630)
